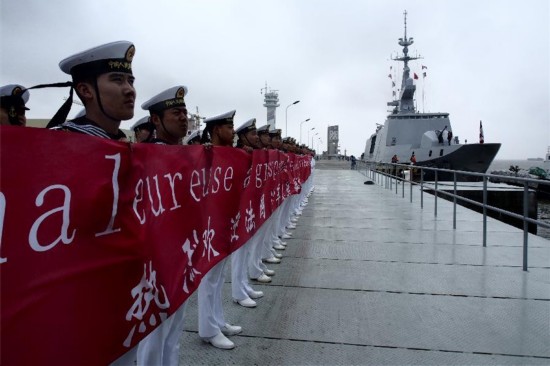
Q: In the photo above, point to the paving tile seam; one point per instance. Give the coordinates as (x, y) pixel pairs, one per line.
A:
(383, 346)
(416, 243)
(413, 262)
(413, 293)
(405, 228)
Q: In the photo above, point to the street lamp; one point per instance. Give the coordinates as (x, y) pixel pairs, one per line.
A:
(286, 117)
(301, 129)
(311, 129)
(315, 134)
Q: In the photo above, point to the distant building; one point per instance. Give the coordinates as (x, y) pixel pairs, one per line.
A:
(271, 102)
(332, 142)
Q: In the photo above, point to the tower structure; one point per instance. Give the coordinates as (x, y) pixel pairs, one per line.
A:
(332, 142)
(271, 102)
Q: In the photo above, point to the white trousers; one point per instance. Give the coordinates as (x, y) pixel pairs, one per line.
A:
(162, 346)
(210, 303)
(239, 279)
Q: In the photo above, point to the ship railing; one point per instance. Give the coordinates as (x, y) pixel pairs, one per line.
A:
(389, 174)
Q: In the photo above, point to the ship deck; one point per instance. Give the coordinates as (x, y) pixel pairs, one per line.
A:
(371, 279)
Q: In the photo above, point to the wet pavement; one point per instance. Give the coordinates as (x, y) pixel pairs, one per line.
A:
(370, 278)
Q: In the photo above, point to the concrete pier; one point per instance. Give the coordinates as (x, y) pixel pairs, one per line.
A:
(372, 279)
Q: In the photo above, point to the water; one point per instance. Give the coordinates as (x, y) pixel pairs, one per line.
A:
(543, 204)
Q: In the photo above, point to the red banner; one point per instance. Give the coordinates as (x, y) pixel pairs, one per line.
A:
(100, 240)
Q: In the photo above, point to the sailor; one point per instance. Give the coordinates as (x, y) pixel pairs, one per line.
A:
(194, 138)
(242, 292)
(275, 136)
(168, 115)
(13, 98)
(440, 135)
(143, 129)
(265, 139)
(213, 328)
(413, 159)
(247, 136)
(102, 78)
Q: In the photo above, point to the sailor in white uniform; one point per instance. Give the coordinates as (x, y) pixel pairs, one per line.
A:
(102, 78)
(143, 129)
(194, 138)
(213, 328)
(13, 100)
(242, 292)
(168, 114)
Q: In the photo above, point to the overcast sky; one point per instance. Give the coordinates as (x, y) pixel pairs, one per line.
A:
(486, 60)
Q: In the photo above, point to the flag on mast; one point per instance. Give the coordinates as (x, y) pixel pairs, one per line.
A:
(481, 137)
(415, 76)
(424, 67)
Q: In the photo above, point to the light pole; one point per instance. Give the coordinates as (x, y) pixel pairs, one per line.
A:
(315, 134)
(311, 129)
(301, 123)
(286, 117)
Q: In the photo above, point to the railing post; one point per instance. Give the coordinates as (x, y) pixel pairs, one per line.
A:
(410, 187)
(435, 194)
(484, 210)
(525, 223)
(421, 188)
(454, 201)
(403, 185)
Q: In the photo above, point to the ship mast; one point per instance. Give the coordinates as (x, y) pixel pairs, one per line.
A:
(406, 101)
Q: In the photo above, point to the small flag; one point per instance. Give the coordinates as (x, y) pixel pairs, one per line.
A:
(415, 76)
(391, 67)
(393, 84)
(389, 75)
(481, 137)
(424, 67)
(424, 74)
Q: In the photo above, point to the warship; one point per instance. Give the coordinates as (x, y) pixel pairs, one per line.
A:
(426, 135)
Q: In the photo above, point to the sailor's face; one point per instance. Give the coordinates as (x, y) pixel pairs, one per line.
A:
(265, 139)
(18, 111)
(225, 134)
(252, 139)
(117, 94)
(276, 141)
(175, 121)
(142, 134)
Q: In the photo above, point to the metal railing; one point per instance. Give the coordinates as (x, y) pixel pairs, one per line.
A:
(386, 174)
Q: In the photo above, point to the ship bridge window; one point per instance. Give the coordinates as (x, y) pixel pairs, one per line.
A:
(441, 152)
(430, 154)
(372, 144)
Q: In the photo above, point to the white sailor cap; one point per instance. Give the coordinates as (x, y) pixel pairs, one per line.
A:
(222, 119)
(13, 94)
(193, 136)
(140, 123)
(110, 57)
(263, 129)
(275, 132)
(81, 113)
(247, 126)
(170, 98)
